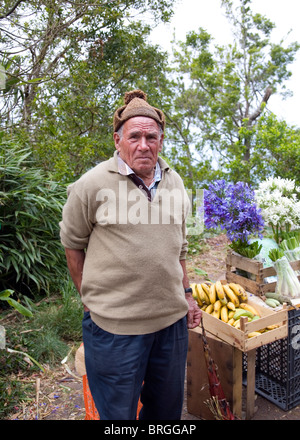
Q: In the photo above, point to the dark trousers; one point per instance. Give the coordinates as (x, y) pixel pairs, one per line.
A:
(120, 369)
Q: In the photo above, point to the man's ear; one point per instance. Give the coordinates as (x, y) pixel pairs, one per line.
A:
(161, 142)
(117, 141)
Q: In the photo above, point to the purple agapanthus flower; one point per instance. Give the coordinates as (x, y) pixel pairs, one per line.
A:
(232, 207)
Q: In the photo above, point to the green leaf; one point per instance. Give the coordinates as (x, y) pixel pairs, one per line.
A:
(5, 294)
(21, 309)
(26, 355)
(200, 272)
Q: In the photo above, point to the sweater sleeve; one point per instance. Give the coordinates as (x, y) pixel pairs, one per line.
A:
(75, 227)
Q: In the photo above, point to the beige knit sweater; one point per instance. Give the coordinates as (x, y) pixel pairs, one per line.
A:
(132, 277)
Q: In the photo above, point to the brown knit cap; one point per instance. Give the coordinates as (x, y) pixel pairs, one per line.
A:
(136, 105)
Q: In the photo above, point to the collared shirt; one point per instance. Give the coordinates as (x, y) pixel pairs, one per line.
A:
(150, 190)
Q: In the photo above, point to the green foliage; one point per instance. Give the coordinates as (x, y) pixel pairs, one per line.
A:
(249, 250)
(62, 317)
(55, 324)
(78, 59)
(77, 131)
(222, 92)
(279, 144)
(54, 35)
(275, 151)
(276, 254)
(31, 256)
(45, 338)
(5, 296)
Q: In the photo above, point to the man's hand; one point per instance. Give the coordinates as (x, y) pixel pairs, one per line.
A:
(194, 313)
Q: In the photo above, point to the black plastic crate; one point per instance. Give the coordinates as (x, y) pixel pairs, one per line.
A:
(277, 367)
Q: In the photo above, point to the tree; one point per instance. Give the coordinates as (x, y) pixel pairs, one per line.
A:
(231, 87)
(77, 130)
(279, 145)
(42, 39)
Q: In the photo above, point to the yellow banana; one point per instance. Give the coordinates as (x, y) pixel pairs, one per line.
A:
(231, 306)
(195, 294)
(217, 305)
(220, 293)
(216, 314)
(231, 321)
(249, 308)
(243, 298)
(193, 286)
(199, 300)
(205, 287)
(212, 294)
(253, 334)
(272, 327)
(236, 324)
(231, 295)
(200, 303)
(204, 307)
(219, 290)
(230, 313)
(224, 314)
(204, 298)
(237, 288)
(209, 309)
(239, 291)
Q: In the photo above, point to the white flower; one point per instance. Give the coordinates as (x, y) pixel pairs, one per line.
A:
(279, 202)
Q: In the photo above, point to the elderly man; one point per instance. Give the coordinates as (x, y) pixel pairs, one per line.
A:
(124, 234)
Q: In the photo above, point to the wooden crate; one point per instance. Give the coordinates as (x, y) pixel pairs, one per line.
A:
(197, 377)
(256, 286)
(229, 363)
(239, 338)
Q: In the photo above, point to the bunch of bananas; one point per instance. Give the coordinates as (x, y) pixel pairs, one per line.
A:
(227, 302)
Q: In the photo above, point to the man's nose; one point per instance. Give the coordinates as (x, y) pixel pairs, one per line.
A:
(143, 145)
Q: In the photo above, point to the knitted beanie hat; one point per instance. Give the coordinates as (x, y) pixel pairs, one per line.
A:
(136, 105)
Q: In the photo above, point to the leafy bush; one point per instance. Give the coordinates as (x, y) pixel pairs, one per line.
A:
(47, 336)
(31, 256)
(62, 316)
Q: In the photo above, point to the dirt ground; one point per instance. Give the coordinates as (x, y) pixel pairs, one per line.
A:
(58, 395)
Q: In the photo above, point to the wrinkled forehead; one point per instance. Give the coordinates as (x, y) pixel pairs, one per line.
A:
(141, 124)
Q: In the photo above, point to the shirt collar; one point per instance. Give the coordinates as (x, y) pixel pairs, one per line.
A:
(125, 170)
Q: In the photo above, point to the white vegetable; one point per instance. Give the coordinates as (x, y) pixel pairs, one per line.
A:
(287, 281)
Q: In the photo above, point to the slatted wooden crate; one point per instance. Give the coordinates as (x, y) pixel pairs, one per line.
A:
(256, 284)
(197, 378)
(237, 342)
(239, 338)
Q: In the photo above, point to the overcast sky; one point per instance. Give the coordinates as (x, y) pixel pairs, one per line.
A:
(193, 14)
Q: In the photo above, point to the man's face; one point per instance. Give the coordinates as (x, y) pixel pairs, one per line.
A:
(140, 144)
